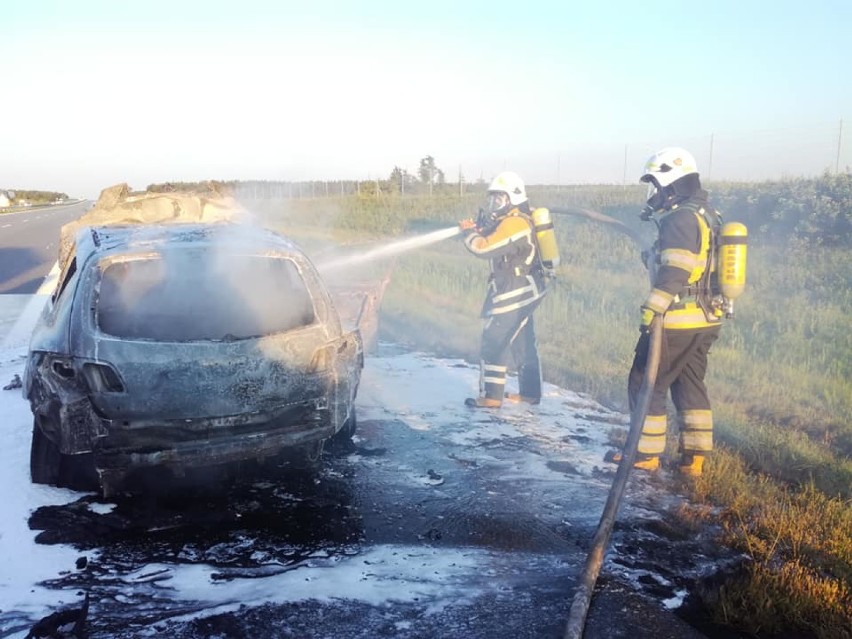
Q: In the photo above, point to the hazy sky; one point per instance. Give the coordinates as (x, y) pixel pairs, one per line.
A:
(100, 92)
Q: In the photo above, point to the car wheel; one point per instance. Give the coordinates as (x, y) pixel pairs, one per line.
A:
(45, 459)
(349, 426)
(77, 472)
(309, 457)
(341, 441)
(49, 466)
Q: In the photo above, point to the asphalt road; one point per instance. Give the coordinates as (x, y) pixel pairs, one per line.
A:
(29, 245)
(438, 521)
(468, 524)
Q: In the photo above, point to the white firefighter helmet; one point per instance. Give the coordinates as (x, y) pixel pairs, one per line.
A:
(511, 184)
(668, 165)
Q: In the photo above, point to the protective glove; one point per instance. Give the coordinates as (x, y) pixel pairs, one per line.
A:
(647, 318)
(467, 226)
(482, 219)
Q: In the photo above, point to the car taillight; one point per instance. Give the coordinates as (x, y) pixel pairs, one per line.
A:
(102, 378)
(62, 368)
(321, 361)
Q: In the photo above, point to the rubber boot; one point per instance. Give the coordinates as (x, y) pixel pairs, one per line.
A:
(645, 463)
(482, 402)
(692, 465)
(650, 464)
(517, 398)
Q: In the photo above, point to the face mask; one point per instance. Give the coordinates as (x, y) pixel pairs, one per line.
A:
(498, 202)
(656, 195)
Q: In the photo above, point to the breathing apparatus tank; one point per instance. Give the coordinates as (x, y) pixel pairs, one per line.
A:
(731, 269)
(733, 240)
(546, 237)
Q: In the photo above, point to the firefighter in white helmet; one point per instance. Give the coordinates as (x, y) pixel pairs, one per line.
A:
(679, 266)
(504, 234)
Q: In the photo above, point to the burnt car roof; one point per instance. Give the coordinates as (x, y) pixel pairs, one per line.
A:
(100, 239)
(118, 206)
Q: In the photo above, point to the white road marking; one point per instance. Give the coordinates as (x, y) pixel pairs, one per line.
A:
(19, 335)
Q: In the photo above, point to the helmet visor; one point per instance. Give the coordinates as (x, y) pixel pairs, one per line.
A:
(653, 185)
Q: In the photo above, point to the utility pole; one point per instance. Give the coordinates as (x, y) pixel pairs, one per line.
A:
(624, 171)
(558, 168)
(710, 161)
(839, 144)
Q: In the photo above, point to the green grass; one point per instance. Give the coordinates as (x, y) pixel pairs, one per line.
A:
(780, 371)
(799, 543)
(780, 376)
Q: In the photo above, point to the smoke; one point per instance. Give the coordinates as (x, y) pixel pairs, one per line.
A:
(213, 284)
(356, 275)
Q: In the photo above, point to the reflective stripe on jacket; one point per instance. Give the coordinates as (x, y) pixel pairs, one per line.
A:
(682, 250)
(516, 277)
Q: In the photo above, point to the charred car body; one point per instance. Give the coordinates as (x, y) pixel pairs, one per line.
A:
(179, 346)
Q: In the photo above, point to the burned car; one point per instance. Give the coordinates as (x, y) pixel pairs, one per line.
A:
(180, 346)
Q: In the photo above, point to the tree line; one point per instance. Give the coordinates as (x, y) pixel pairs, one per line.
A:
(815, 211)
(34, 197)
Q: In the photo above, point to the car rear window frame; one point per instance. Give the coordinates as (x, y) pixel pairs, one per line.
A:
(101, 265)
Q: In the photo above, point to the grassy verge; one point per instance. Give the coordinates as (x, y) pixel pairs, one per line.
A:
(799, 545)
(780, 378)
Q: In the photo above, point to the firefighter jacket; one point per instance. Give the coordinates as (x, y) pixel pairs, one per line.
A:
(681, 257)
(517, 277)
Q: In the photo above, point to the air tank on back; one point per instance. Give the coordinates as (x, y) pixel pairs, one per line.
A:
(733, 240)
(546, 236)
(731, 266)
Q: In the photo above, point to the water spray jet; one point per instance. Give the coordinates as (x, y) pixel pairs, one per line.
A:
(394, 248)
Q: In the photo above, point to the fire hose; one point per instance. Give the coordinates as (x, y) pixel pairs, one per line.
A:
(594, 559)
(599, 217)
(583, 594)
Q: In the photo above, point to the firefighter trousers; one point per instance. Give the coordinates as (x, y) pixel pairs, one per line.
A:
(683, 365)
(508, 335)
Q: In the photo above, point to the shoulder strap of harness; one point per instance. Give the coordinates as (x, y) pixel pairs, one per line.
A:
(704, 288)
(539, 265)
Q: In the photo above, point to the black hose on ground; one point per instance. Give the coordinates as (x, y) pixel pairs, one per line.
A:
(583, 594)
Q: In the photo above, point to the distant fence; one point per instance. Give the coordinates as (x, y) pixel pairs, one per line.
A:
(767, 154)
(751, 156)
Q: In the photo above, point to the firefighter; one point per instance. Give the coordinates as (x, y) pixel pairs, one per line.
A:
(679, 269)
(504, 234)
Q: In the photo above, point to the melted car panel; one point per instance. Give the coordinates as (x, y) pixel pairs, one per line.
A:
(186, 345)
